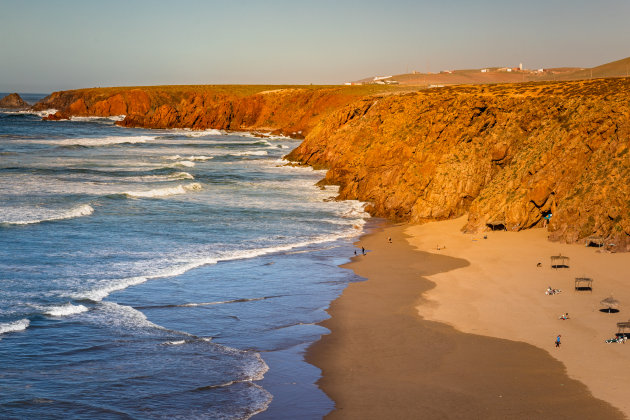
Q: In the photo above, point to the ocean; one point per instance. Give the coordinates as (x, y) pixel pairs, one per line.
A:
(162, 273)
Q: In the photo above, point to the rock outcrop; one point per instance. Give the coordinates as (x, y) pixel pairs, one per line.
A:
(291, 111)
(507, 153)
(511, 154)
(13, 101)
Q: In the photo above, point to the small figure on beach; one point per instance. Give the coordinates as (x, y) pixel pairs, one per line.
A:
(564, 316)
(355, 252)
(558, 340)
(362, 250)
(539, 265)
(389, 239)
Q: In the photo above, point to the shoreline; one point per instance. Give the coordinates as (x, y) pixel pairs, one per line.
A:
(383, 360)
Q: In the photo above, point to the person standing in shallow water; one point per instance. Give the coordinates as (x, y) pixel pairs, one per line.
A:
(558, 340)
(362, 250)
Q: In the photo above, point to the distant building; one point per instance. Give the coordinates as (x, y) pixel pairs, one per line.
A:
(377, 78)
(485, 70)
(520, 66)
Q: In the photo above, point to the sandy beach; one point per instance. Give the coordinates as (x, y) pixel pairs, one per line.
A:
(502, 294)
(383, 359)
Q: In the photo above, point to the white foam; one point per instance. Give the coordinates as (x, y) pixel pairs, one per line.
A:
(98, 295)
(174, 343)
(164, 192)
(181, 175)
(201, 133)
(185, 163)
(65, 310)
(250, 153)
(15, 326)
(111, 118)
(42, 114)
(103, 141)
(80, 211)
(199, 158)
(190, 159)
(122, 317)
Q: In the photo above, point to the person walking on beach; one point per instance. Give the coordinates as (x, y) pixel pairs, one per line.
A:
(362, 250)
(558, 340)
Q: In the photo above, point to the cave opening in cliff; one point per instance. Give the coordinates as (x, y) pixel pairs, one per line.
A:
(498, 225)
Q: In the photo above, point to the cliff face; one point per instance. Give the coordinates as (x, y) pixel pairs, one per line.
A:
(13, 101)
(508, 153)
(282, 110)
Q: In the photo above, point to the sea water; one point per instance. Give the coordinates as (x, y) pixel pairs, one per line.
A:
(162, 273)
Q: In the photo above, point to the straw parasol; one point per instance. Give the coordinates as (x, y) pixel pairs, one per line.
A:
(610, 302)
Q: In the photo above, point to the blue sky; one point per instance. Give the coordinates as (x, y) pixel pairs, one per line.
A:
(53, 45)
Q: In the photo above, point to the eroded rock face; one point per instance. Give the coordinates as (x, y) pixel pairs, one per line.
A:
(290, 111)
(13, 101)
(506, 153)
(510, 153)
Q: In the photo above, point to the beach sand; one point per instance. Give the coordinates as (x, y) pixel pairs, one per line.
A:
(382, 360)
(502, 294)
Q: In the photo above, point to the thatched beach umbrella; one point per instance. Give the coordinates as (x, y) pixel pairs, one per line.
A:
(610, 302)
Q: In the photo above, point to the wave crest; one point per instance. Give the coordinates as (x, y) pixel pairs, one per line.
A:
(164, 192)
(15, 326)
(65, 310)
(80, 211)
(103, 141)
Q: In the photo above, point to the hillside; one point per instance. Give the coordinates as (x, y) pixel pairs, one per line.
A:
(492, 75)
(508, 154)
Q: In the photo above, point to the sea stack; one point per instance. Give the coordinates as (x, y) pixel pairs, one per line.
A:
(13, 101)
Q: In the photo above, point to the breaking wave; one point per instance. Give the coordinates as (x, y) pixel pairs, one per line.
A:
(250, 153)
(15, 326)
(110, 118)
(80, 211)
(165, 192)
(65, 310)
(104, 141)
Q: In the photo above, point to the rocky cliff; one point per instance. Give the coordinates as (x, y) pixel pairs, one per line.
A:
(507, 155)
(288, 110)
(13, 101)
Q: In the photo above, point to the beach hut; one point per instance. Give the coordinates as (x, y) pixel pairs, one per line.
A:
(497, 225)
(584, 283)
(559, 261)
(611, 303)
(596, 241)
(622, 327)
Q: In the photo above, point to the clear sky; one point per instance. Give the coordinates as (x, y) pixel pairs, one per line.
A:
(52, 45)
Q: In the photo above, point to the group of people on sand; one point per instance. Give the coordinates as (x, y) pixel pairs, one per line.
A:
(552, 291)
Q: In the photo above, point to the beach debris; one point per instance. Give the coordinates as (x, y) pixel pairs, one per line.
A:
(552, 291)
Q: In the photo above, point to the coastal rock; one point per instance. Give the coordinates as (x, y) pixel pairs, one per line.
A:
(13, 101)
(512, 154)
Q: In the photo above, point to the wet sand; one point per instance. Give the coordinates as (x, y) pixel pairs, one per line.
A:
(383, 361)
